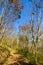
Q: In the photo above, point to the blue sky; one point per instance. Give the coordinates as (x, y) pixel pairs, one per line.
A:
(24, 15)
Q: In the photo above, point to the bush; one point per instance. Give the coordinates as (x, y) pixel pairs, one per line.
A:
(25, 53)
(4, 54)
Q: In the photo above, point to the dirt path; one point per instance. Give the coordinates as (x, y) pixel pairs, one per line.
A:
(16, 59)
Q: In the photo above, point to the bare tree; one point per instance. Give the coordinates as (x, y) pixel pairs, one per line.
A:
(35, 24)
(11, 11)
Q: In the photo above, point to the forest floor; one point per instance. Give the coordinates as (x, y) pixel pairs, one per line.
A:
(15, 58)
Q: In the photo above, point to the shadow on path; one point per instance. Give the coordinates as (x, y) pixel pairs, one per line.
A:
(22, 63)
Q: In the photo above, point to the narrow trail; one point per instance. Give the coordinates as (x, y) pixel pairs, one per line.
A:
(16, 59)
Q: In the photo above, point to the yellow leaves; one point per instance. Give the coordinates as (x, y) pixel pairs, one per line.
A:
(15, 1)
(23, 28)
(11, 1)
(16, 8)
(1, 26)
